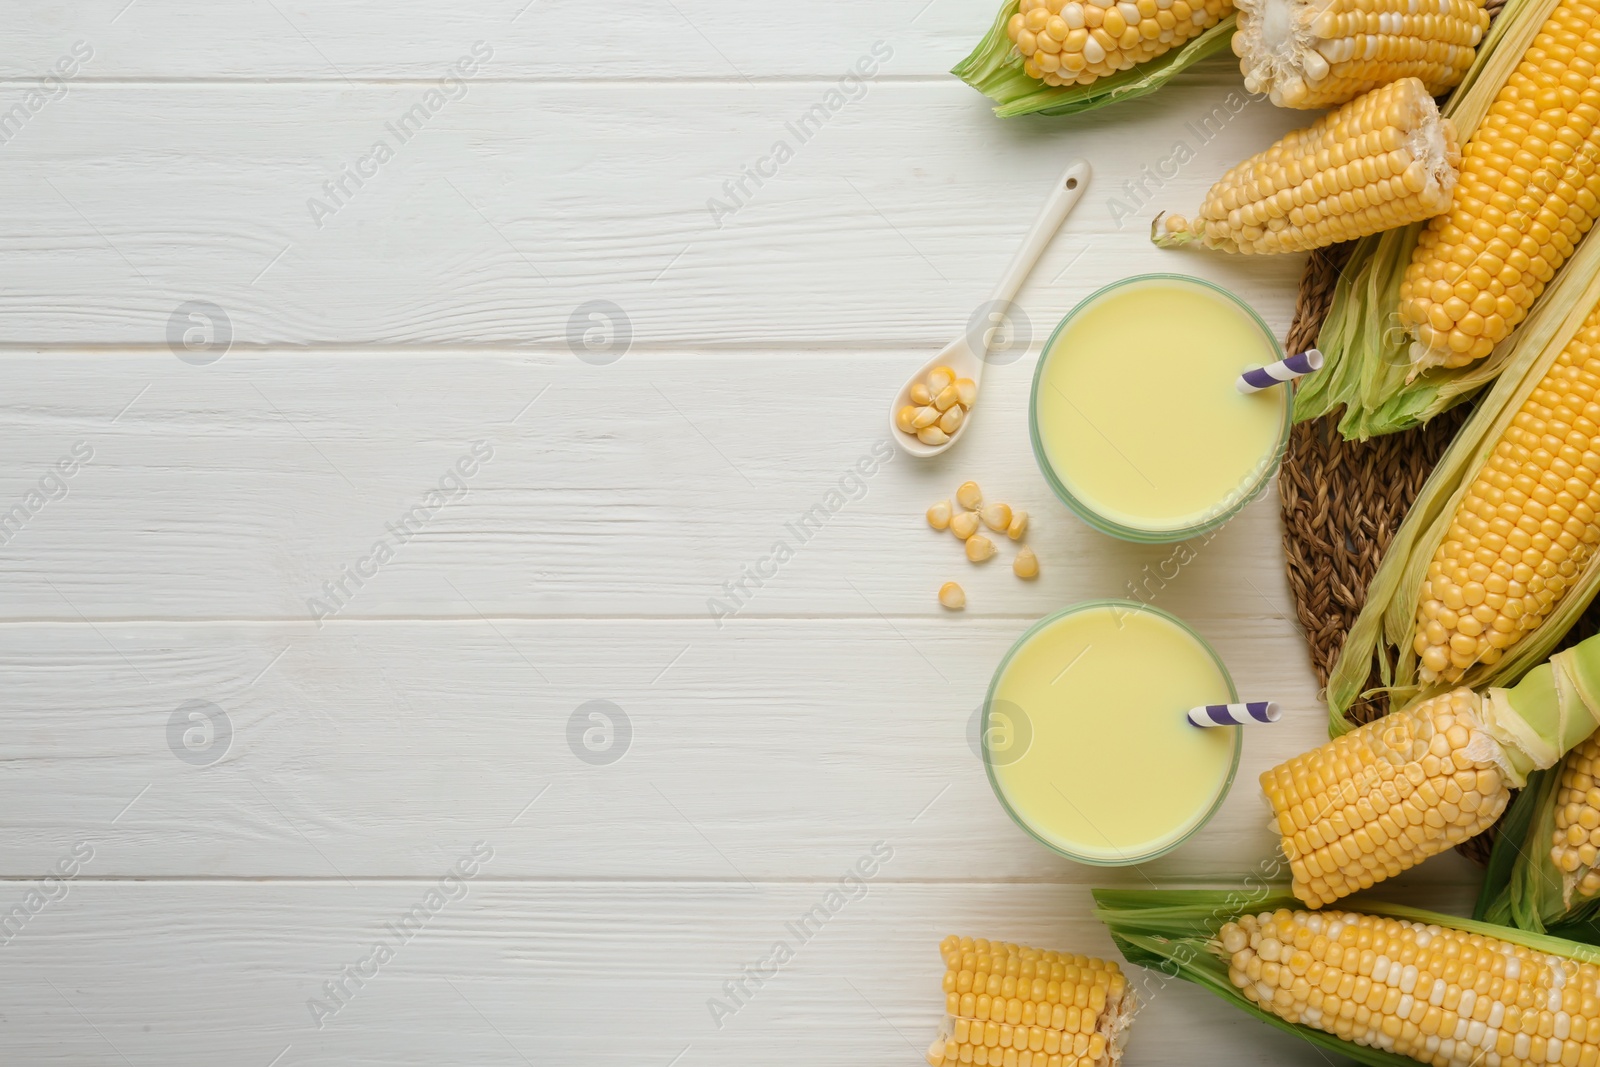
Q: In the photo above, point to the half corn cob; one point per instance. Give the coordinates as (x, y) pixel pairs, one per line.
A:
(1575, 844)
(1383, 160)
(1014, 1006)
(1375, 985)
(1385, 797)
(1323, 53)
(1527, 194)
(1073, 42)
(1526, 526)
(1008, 65)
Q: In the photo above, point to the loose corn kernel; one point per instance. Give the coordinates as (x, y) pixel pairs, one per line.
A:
(1490, 583)
(1018, 525)
(979, 548)
(1026, 565)
(1376, 801)
(969, 496)
(1340, 49)
(939, 515)
(996, 516)
(952, 596)
(964, 524)
(1384, 160)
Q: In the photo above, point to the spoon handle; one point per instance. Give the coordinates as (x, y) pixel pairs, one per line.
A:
(1065, 194)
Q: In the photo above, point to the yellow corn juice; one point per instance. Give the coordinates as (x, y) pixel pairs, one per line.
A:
(1085, 736)
(1136, 421)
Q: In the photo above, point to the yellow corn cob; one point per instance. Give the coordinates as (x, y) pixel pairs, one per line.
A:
(1576, 845)
(1013, 1006)
(1385, 159)
(1323, 53)
(1432, 993)
(1073, 42)
(1528, 192)
(1526, 527)
(1385, 797)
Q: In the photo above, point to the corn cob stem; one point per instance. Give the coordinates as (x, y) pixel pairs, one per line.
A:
(1385, 797)
(1322, 53)
(1383, 160)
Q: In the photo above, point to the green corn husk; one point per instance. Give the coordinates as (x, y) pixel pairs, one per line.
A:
(1384, 629)
(1175, 930)
(1366, 351)
(995, 69)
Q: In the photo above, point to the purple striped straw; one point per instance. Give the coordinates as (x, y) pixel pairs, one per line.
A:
(1253, 381)
(1235, 714)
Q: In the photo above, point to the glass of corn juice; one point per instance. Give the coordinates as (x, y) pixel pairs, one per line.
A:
(1085, 736)
(1135, 419)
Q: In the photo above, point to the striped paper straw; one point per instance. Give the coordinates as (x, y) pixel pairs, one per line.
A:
(1253, 381)
(1235, 714)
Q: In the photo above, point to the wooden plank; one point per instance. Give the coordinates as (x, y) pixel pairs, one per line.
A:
(241, 489)
(530, 39)
(508, 211)
(374, 749)
(516, 973)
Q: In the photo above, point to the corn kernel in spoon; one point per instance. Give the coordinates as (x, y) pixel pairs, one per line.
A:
(932, 435)
(925, 416)
(903, 417)
(950, 421)
(966, 391)
(940, 378)
(921, 395)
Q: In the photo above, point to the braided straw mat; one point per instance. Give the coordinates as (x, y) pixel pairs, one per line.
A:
(1343, 500)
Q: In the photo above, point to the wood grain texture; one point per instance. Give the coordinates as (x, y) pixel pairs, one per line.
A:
(599, 974)
(237, 490)
(519, 203)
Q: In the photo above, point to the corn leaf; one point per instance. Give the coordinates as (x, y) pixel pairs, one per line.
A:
(995, 69)
(1382, 633)
(1174, 930)
(1367, 368)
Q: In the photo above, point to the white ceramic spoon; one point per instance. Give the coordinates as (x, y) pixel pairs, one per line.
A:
(966, 355)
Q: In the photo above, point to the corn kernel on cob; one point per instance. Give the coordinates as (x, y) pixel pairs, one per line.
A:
(1323, 53)
(1014, 1006)
(1385, 797)
(1527, 194)
(1073, 42)
(1385, 159)
(1436, 994)
(1575, 847)
(1525, 528)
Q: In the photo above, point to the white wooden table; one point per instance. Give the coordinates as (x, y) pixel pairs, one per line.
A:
(228, 781)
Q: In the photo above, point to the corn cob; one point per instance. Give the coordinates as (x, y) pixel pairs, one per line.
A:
(1307, 54)
(1525, 528)
(1575, 847)
(1073, 42)
(1527, 194)
(1013, 1006)
(1385, 797)
(1431, 992)
(1385, 159)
